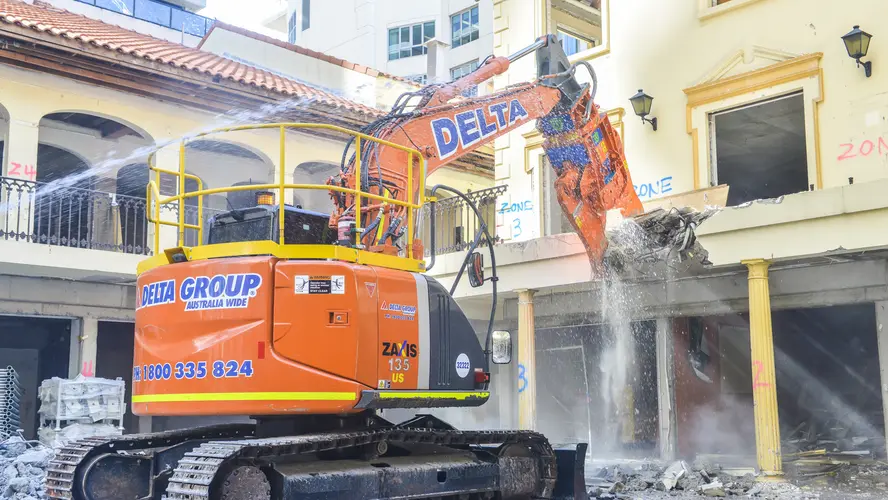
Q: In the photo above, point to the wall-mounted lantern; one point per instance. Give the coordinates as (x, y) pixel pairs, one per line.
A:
(641, 103)
(857, 43)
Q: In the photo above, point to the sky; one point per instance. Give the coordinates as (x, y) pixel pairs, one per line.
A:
(233, 12)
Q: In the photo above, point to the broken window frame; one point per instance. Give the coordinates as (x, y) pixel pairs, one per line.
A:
(713, 133)
(711, 8)
(567, 36)
(601, 44)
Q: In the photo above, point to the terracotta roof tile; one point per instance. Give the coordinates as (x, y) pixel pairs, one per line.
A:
(308, 52)
(44, 18)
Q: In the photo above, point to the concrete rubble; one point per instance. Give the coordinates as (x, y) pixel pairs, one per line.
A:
(23, 469)
(651, 480)
(648, 244)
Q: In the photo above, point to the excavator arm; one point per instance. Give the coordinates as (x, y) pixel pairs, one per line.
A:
(580, 143)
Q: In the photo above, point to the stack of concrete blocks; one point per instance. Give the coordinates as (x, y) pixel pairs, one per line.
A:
(10, 401)
(72, 409)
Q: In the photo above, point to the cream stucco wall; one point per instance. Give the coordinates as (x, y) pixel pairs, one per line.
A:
(735, 54)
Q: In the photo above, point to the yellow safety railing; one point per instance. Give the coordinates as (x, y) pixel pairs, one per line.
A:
(155, 202)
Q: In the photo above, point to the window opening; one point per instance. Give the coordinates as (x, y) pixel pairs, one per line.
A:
(760, 149)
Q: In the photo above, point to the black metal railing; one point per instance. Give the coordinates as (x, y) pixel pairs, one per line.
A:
(40, 213)
(455, 224)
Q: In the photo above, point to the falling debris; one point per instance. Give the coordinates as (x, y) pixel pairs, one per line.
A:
(643, 244)
(23, 469)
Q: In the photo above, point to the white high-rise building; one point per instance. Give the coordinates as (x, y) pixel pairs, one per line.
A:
(390, 35)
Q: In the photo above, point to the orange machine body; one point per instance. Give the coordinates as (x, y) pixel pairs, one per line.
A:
(262, 336)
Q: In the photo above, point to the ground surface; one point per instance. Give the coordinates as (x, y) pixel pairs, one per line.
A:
(653, 480)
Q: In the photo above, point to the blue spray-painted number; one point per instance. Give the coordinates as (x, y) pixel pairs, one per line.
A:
(522, 379)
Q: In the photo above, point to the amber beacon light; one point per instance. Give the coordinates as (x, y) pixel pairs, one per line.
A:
(265, 198)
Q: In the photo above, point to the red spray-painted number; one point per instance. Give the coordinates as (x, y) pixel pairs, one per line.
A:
(19, 170)
(756, 383)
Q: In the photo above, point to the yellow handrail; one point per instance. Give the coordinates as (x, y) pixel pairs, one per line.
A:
(155, 201)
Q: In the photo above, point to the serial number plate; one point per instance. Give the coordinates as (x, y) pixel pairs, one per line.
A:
(193, 370)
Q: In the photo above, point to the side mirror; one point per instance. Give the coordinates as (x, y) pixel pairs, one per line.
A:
(502, 347)
(476, 270)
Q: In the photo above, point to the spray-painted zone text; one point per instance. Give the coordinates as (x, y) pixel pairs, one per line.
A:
(650, 189)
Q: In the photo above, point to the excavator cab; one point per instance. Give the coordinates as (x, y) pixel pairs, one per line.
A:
(260, 223)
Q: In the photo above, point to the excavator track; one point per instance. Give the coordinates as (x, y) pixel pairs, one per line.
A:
(229, 459)
(205, 467)
(69, 461)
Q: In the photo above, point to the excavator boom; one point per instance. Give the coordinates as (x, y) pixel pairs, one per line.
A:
(581, 145)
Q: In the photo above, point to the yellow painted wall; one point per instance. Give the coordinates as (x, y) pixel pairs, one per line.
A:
(668, 47)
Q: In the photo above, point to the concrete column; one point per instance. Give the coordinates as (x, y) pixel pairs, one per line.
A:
(89, 343)
(882, 338)
(526, 361)
(666, 388)
(74, 348)
(20, 163)
(764, 386)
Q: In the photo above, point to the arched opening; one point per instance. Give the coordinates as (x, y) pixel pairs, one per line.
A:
(81, 159)
(227, 164)
(64, 201)
(314, 172)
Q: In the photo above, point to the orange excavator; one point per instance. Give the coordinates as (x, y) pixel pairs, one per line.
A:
(313, 324)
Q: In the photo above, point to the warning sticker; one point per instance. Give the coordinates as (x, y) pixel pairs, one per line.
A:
(322, 285)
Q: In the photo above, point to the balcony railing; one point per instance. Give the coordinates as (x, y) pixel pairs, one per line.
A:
(36, 212)
(456, 224)
(160, 13)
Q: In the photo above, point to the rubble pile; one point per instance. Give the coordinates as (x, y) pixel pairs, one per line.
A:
(681, 480)
(833, 452)
(23, 469)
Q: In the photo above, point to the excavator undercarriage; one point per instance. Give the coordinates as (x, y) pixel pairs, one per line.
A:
(349, 457)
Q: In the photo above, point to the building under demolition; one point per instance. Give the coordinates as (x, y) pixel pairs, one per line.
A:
(770, 342)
